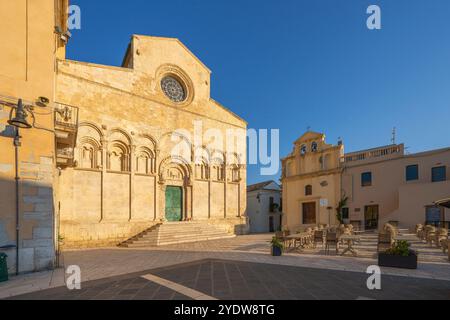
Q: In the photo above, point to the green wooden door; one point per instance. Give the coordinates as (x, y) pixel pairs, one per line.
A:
(174, 198)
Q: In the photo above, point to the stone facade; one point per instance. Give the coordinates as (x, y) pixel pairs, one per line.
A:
(124, 154)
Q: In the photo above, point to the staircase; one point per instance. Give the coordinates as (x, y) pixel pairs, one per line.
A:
(177, 232)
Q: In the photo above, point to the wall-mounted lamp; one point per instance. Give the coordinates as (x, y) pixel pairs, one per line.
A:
(20, 118)
(20, 122)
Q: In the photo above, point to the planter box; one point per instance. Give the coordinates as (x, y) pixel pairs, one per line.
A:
(276, 251)
(389, 260)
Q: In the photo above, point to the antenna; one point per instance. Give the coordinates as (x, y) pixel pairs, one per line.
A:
(394, 133)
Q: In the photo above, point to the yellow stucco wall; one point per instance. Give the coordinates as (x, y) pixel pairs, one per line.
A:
(27, 71)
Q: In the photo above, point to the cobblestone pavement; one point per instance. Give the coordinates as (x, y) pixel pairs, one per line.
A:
(238, 280)
(110, 262)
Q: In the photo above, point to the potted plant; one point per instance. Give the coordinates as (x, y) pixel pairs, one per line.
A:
(277, 247)
(399, 256)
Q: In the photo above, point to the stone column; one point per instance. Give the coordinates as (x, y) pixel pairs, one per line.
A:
(225, 191)
(156, 192)
(162, 199)
(188, 200)
(132, 162)
(103, 167)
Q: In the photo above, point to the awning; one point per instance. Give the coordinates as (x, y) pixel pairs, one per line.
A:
(443, 203)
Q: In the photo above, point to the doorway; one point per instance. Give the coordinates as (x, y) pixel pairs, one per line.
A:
(309, 212)
(174, 203)
(271, 225)
(371, 214)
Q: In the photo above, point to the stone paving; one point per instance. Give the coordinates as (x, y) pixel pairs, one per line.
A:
(238, 280)
(110, 262)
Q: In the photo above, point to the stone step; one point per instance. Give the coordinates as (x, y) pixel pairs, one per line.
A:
(185, 240)
(177, 232)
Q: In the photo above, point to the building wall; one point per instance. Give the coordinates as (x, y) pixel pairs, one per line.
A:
(126, 108)
(319, 169)
(27, 65)
(258, 210)
(397, 198)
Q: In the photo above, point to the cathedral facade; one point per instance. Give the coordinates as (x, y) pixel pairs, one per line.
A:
(151, 147)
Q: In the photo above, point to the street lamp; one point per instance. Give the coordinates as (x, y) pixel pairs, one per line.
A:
(19, 121)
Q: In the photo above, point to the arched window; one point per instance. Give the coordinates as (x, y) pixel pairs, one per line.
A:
(303, 149)
(314, 147)
(145, 161)
(202, 171)
(118, 157)
(89, 154)
(235, 174)
(308, 190)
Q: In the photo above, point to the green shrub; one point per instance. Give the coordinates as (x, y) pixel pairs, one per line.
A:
(276, 243)
(401, 248)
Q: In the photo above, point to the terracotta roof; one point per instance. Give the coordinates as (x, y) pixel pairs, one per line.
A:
(259, 186)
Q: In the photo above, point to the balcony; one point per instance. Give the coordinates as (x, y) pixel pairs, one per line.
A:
(66, 129)
(375, 154)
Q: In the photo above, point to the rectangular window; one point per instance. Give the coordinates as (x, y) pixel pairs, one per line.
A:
(366, 179)
(438, 174)
(412, 172)
(344, 213)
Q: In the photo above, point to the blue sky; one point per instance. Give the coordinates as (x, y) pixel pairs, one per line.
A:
(296, 63)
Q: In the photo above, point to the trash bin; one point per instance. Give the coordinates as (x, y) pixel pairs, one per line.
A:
(3, 267)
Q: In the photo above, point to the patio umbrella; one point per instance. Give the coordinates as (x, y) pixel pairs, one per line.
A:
(444, 203)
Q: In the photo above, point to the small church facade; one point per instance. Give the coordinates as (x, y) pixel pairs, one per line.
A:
(151, 147)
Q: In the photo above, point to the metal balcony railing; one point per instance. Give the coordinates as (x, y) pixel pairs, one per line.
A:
(66, 116)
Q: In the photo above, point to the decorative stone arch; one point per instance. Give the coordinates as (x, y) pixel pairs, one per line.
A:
(168, 162)
(118, 156)
(175, 172)
(88, 153)
(202, 161)
(91, 125)
(181, 149)
(146, 154)
(89, 146)
(218, 165)
(119, 149)
(233, 162)
(145, 160)
(119, 134)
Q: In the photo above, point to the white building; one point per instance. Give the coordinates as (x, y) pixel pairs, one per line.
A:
(264, 207)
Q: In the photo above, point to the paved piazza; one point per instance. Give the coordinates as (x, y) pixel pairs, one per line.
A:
(207, 270)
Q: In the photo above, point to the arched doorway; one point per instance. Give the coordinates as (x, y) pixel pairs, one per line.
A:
(174, 203)
(176, 190)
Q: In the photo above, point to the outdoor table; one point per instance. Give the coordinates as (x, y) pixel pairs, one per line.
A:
(299, 240)
(350, 241)
(406, 237)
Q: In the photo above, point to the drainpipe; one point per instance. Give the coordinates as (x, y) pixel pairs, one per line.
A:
(17, 178)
